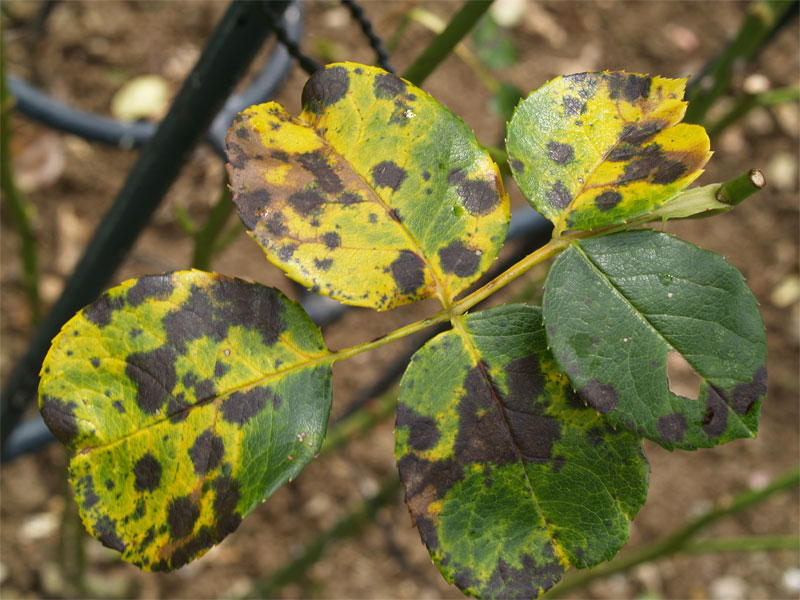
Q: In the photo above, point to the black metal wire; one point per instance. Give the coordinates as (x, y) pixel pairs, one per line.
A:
(374, 41)
(308, 64)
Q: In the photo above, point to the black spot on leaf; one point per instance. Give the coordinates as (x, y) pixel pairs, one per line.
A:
(427, 531)
(286, 252)
(350, 198)
(178, 408)
(307, 202)
(181, 516)
(240, 407)
(573, 106)
(601, 396)
(524, 582)
(638, 134)
(207, 452)
(280, 155)
(236, 156)
(479, 197)
(426, 175)
(325, 87)
(60, 418)
(275, 225)
(153, 373)
(85, 488)
(225, 500)
(324, 264)
(669, 171)
(101, 310)
(607, 200)
(95, 362)
(457, 258)
(326, 176)
(408, 272)
(388, 86)
(332, 239)
(251, 205)
(560, 153)
(671, 427)
(147, 473)
(422, 431)
(456, 176)
(119, 406)
(517, 165)
(559, 196)
(388, 174)
(150, 286)
(106, 530)
(636, 87)
(525, 382)
(715, 419)
(220, 368)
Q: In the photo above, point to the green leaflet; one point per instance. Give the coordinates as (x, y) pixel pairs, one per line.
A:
(596, 149)
(615, 306)
(187, 398)
(508, 477)
(377, 195)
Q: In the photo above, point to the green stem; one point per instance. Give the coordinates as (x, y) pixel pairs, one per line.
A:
(348, 526)
(459, 26)
(15, 200)
(736, 190)
(746, 543)
(750, 101)
(433, 23)
(552, 248)
(761, 19)
(205, 238)
(680, 539)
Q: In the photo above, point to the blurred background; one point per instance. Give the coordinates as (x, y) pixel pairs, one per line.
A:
(128, 60)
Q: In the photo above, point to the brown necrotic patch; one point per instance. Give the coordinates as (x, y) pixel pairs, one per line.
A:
(559, 196)
(671, 427)
(641, 132)
(182, 514)
(147, 473)
(388, 86)
(423, 434)
(240, 407)
(60, 418)
(388, 174)
(325, 87)
(327, 179)
(307, 202)
(607, 200)
(408, 272)
(560, 153)
(206, 452)
(458, 259)
(154, 374)
(601, 396)
(251, 205)
(101, 310)
(745, 395)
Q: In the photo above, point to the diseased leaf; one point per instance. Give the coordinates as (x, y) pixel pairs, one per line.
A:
(596, 149)
(615, 307)
(188, 398)
(377, 195)
(508, 477)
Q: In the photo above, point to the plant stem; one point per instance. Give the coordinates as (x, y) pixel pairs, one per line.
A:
(348, 526)
(745, 543)
(15, 200)
(739, 188)
(680, 539)
(433, 23)
(205, 238)
(750, 101)
(459, 26)
(534, 258)
(762, 18)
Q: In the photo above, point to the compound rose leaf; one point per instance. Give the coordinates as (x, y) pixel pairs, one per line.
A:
(615, 307)
(509, 478)
(377, 195)
(596, 149)
(187, 399)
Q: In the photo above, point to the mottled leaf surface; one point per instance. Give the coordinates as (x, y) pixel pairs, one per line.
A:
(616, 306)
(377, 195)
(596, 149)
(187, 399)
(508, 477)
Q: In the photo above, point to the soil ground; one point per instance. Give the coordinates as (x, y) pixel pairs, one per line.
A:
(90, 48)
